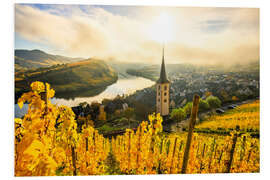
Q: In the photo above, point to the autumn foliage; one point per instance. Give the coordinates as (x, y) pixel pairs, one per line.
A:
(47, 143)
(145, 152)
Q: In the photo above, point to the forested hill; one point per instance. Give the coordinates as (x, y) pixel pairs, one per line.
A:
(37, 58)
(87, 75)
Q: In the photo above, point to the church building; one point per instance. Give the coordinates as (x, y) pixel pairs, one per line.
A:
(163, 91)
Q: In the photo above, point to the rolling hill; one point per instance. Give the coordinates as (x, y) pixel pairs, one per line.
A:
(37, 58)
(91, 75)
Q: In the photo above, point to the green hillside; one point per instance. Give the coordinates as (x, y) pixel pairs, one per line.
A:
(88, 75)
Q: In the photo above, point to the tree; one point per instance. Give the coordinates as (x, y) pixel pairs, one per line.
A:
(117, 113)
(102, 113)
(203, 105)
(187, 108)
(105, 102)
(129, 113)
(213, 102)
(207, 94)
(141, 110)
(83, 104)
(94, 110)
(178, 115)
(224, 95)
(234, 98)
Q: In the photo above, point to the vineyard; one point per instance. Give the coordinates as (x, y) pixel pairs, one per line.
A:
(246, 117)
(47, 143)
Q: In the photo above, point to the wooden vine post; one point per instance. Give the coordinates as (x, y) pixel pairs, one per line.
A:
(129, 147)
(74, 161)
(139, 144)
(174, 148)
(86, 139)
(44, 97)
(233, 149)
(193, 118)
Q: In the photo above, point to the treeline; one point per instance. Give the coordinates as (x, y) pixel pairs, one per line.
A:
(182, 113)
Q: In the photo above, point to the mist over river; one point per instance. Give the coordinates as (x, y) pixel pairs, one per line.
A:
(122, 86)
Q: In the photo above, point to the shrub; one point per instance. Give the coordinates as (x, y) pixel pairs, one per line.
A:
(203, 105)
(187, 108)
(213, 102)
(178, 115)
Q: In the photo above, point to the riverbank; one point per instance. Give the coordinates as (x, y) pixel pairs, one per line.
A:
(123, 86)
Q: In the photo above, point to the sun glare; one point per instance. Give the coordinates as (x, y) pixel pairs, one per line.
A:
(162, 28)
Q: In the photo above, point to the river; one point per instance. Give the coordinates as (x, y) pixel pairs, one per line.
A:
(122, 86)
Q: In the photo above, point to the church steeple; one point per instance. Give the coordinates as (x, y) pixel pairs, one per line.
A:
(163, 91)
(163, 76)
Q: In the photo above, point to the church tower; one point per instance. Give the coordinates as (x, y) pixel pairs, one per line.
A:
(163, 91)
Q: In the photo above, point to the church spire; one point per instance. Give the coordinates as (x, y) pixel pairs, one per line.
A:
(163, 76)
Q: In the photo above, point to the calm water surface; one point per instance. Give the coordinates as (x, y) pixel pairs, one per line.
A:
(122, 86)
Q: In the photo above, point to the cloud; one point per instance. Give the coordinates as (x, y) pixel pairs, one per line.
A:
(201, 35)
(76, 34)
(214, 26)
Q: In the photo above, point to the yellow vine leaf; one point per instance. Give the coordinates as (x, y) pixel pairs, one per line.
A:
(18, 120)
(38, 86)
(20, 104)
(34, 149)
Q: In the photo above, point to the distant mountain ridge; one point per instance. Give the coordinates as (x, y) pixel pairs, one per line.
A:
(37, 58)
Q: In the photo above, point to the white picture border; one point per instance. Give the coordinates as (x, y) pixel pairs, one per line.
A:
(7, 82)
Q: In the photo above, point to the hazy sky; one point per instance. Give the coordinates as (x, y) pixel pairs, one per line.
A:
(136, 33)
